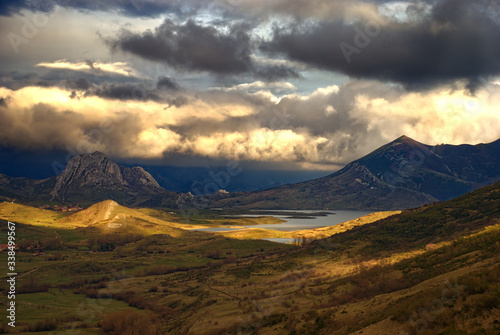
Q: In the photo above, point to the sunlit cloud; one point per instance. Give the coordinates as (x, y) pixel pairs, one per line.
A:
(121, 68)
(333, 125)
(261, 86)
(443, 116)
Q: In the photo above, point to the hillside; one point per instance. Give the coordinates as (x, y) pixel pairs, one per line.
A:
(430, 270)
(28, 215)
(434, 224)
(25, 189)
(399, 175)
(109, 217)
(102, 218)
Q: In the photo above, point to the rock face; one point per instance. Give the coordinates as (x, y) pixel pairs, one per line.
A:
(93, 177)
(399, 175)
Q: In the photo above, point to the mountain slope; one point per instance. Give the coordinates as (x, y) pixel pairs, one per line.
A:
(437, 223)
(25, 188)
(399, 175)
(443, 171)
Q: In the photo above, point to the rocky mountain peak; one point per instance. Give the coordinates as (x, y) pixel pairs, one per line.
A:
(87, 173)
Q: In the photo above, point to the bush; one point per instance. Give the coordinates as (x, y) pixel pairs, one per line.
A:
(32, 287)
(128, 323)
(42, 326)
(56, 257)
(109, 242)
(160, 270)
(214, 254)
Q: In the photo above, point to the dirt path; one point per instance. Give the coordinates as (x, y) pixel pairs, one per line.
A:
(27, 273)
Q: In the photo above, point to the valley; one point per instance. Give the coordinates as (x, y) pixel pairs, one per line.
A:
(112, 269)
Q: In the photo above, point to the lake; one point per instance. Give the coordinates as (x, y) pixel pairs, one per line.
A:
(303, 219)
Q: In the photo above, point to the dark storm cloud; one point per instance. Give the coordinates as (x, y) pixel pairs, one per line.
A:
(17, 80)
(8, 7)
(79, 84)
(165, 83)
(178, 101)
(4, 101)
(143, 91)
(69, 78)
(457, 40)
(42, 128)
(88, 84)
(192, 47)
(121, 91)
(277, 72)
(48, 128)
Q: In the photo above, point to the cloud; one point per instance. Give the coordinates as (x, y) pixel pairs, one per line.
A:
(78, 84)
(261, 86)
(4, 101)
(120, 68)
(141, 8)
(456, 40)
(333, 125)
(155, 8)
(165, 83)
(124, 92)
(193, 47)
(276, 72)
(321, 9)
(86, 84)
(63, 77)
(190, 47)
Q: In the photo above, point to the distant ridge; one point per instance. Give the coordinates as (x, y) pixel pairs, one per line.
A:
(401, 174)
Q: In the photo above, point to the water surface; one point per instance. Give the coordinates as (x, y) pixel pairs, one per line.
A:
(306, 220)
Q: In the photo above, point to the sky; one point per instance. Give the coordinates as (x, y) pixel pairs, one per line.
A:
(296, 84)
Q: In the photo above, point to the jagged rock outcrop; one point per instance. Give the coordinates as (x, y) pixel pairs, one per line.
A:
(93, 177)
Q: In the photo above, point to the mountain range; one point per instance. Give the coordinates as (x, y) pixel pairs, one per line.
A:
(88, 179)
(401, 174)
(177, 175)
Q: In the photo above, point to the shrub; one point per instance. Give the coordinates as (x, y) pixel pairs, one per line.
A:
(160, 270)
(128, 323)
(32, 287)
(214, 254)
(43, 326)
